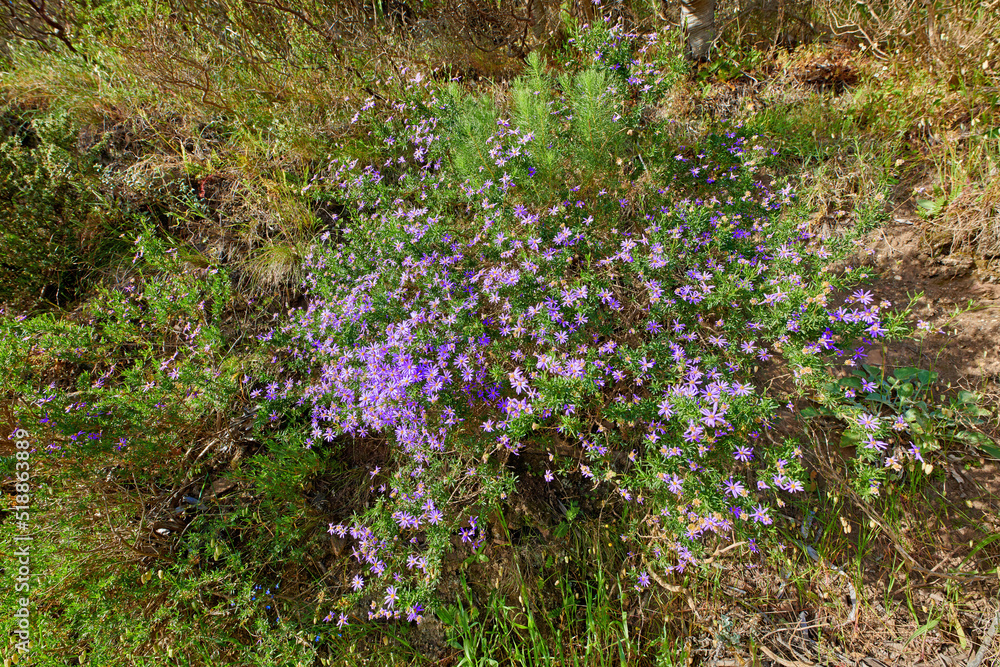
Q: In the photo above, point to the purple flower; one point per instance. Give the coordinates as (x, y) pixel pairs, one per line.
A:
(868, 421)
(734, 488)
(712, 417)
(517, 381)
(391, 597)
(876, 330)
(413, 614)
(761, 514)
(861, 296)
(693, 432)
(873, 443)
(675, 485)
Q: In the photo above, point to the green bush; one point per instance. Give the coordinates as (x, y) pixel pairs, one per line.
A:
(141, 370)
(45, 203)
(582, 298)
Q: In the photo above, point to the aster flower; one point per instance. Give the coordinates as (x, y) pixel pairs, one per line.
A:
(861, 296)
(761, 515)
(391, 597)
(868, 421)
(733, 488)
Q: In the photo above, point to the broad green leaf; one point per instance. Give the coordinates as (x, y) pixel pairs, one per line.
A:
(993, 451)
(967, 397)
(852, 383)
(905, 373)
(849, 439)
(879, 398)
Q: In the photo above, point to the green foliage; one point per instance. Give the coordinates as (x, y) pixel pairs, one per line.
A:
(46, 204)
(898, 420)
(586, 279)
(95, 600)
(567, 619)
(533, 107)
(104, 382)
(598, 141)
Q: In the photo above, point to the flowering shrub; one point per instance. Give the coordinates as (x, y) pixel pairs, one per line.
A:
(552, 277)
(138, 369)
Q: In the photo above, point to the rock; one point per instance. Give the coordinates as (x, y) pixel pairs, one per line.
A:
(956, 267)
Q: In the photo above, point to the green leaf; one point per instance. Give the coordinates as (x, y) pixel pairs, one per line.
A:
(975, 438)
(992, 450)
(879, 398)
(852, 383)
(985, 543)
(447, 615)
(474, 558)
(967, 398)
(929, 208)
(923, 629)
(873, 371)
(849, 439)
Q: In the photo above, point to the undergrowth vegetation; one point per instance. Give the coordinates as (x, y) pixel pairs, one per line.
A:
(336, 356)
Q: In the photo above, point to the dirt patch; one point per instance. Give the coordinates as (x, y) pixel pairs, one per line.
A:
(958, 297)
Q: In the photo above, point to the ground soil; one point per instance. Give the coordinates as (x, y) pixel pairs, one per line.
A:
(959, 297)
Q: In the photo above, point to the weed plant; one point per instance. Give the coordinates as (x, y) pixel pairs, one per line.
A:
(48, 202)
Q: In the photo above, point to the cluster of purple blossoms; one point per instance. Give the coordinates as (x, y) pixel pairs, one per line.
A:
(466, 317)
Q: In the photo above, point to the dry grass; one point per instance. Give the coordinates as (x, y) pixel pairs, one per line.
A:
(964, 199)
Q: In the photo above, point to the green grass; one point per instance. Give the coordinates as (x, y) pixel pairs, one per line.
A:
(567, 612)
